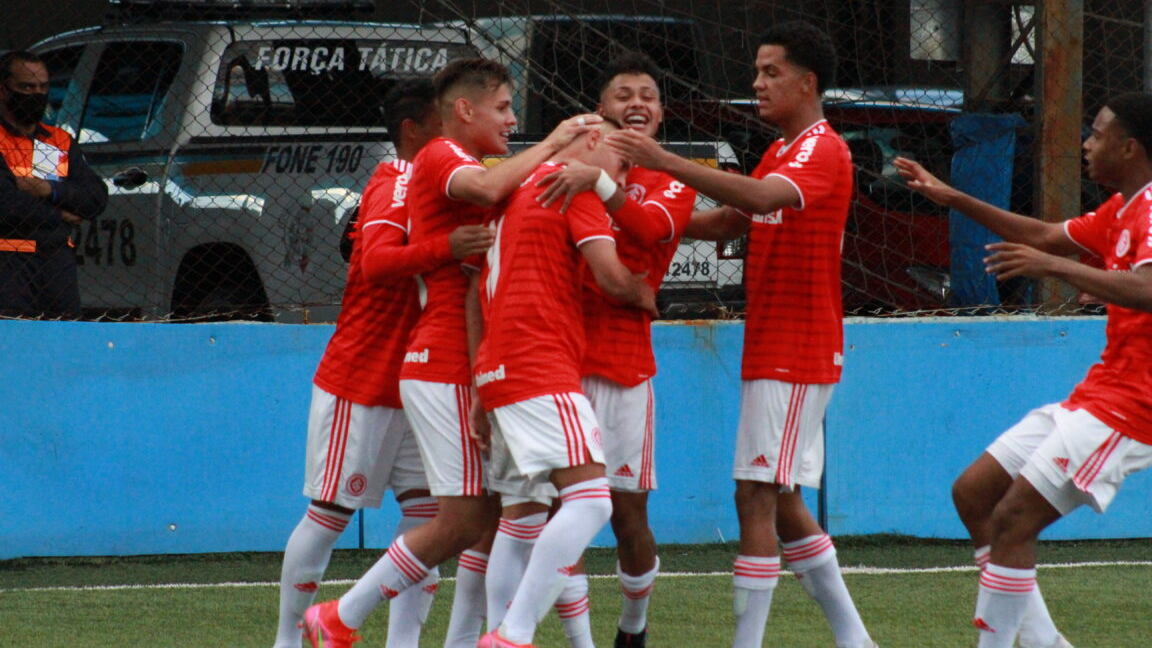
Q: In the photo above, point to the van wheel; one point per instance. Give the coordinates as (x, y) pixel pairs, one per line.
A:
(218, 283)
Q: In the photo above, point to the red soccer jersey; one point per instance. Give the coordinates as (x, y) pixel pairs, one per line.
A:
(619, 337)
(1118, 389)
(530, 292)
(794, 329)
(363, 357)
(438, 350)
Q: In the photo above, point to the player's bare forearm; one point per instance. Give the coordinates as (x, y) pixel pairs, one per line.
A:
(1009, 226)
(1127, 289)
(719, 224)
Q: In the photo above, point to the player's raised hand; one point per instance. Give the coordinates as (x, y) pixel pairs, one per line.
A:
(919, 179)
(571, 128)
(572, 179)
(467, 240)
(1010, 260)
(639, 149)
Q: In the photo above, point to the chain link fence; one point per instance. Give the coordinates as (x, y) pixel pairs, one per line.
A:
(235, 137)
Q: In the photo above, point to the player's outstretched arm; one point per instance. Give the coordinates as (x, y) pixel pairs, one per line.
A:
(1049, 237)
(719, 224)
(616, 280)
(1127, 289)
(751, 195)
(490, 185)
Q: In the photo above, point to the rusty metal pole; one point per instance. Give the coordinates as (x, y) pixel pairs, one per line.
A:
(1059, 101)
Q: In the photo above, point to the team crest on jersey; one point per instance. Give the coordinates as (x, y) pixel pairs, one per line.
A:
(1124, 243)
(636, 192)
(356, 484)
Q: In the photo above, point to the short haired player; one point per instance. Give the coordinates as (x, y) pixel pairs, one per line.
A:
(528, 370)
(450, 187)
(359, 441)
(794, 208)
(652, 211)
(1079, 451)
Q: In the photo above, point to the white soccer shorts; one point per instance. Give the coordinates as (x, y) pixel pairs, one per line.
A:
(438, 413)
(627, 417)
(780, 439)
(1070, 456)
(356, 452)
(550, 432)
(504, 478)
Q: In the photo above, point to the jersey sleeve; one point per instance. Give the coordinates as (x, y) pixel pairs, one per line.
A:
(587, 219)
(1143, 242)
(813, 167)
(447, 159)
(1090, 231)
(661, 217)
(383, 226)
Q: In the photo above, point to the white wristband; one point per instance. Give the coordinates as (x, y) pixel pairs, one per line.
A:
(605, 187)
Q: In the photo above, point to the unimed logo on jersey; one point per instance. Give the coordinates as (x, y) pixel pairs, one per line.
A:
(417, 356)
(485, 377)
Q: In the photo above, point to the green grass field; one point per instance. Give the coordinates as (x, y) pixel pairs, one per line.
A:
(911, 593)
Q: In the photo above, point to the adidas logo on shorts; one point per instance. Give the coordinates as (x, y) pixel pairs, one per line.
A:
(760, 462)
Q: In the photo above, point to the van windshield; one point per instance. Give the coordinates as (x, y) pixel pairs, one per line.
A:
(319, 82)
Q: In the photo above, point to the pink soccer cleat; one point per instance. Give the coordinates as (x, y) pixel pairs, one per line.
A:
(494, 640)
(323, 628)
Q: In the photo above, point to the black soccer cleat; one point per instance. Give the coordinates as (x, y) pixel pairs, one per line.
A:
(627, 640)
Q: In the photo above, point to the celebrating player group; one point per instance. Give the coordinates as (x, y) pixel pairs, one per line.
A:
(493, 364)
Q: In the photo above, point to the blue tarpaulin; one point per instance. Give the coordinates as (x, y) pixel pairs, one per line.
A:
(982, 167)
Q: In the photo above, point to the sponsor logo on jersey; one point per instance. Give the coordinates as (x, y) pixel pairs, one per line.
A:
(356, 484)
(485, 377)
(775, 218)
(417, 356)
(805, 152)
(625, 471)
(400, 192)
(761, 462)
(838, 359)
(1062, 463)
(1124, 243)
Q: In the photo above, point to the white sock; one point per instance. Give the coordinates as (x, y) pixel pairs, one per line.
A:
(408, 612)
(510, 552)
(469, 602)
(1000, 605)
(586, 508)
(396, 571)
(813, 561)
(306, 557)
(754, 579)
(1038, 630)
(635, 592)
(572, 608)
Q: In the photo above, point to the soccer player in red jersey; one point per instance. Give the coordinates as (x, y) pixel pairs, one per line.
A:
(450, 187)
(651, 211)
(359, 441)
(794, 208)
(1063, 455)
(528, 369)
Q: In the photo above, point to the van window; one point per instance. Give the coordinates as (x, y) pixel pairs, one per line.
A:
(128, 91)
(61, 64)
(315, 82)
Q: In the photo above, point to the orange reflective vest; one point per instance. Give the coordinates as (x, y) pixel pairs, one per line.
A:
(44, 156)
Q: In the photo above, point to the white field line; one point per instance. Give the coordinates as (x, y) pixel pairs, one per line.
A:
(847, 570)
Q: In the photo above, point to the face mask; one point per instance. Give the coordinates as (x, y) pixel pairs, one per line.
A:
(27, 108)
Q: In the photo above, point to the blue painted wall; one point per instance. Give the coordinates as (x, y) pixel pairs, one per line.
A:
(155, 438)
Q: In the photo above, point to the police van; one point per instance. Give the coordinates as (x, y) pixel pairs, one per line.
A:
(235, 151)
